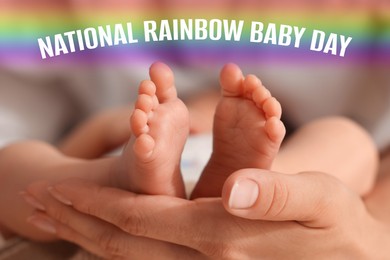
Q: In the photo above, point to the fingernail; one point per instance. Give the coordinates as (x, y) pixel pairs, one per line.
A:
(32, 201)
(244, 194)
(42, 223)
(58, 196)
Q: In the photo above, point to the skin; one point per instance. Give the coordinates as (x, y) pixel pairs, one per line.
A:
(376, 201)
(295, 214)
(24, 162)
(247, 130)
(287, 220)
(345, 205)
(168, 236)
(160, 126)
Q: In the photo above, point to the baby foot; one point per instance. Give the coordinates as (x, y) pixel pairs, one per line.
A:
(247, 130)
(150, 162)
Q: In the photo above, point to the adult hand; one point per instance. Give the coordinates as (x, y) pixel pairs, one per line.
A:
(309, 215)
(54, 215)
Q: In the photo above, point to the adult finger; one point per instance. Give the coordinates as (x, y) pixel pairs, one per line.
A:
(98, 236)
(316, 199)
(163, 218)
(40, 219)
(48, 224)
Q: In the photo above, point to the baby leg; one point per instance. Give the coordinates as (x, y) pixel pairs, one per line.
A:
(332, 145)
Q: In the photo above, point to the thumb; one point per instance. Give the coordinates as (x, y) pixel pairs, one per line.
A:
(311, 197)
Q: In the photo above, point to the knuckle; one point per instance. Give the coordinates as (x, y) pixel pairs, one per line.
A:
(279, 198)
(134, 223)
(58, 213)
(221, 250)
(214, 241)
(108, 242)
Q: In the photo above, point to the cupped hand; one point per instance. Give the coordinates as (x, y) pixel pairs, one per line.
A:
(309, 215)
(56, 215)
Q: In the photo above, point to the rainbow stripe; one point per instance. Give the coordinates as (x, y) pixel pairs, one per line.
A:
(21, 26)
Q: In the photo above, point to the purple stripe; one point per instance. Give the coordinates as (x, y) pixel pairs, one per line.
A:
(199, 54)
